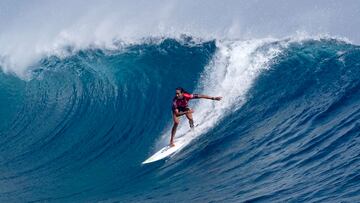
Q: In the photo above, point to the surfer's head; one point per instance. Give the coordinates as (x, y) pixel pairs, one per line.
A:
(179, 92)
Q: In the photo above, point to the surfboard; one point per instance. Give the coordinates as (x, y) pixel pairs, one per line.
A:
(163, 153)
(166, 151)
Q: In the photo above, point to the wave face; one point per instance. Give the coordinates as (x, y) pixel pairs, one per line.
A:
(287, 129)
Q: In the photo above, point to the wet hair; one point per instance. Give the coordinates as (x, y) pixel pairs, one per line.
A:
(182, 90)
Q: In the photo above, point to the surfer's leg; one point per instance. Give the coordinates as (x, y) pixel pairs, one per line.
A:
(191, 121)
(173, 131)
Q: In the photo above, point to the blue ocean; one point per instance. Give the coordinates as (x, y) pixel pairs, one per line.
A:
(78, 127)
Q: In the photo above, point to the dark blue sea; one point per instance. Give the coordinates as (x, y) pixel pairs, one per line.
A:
(78, 127)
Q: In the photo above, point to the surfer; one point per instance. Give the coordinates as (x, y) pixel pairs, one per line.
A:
(180, 108)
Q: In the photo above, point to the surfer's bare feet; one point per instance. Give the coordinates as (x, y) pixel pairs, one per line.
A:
(191, 122)
(172, 145)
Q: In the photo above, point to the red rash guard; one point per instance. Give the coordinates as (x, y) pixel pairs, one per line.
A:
(182, 104)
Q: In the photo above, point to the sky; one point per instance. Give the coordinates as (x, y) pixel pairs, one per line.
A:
(31, 28)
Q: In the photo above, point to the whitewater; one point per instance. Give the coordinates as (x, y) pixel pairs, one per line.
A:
(83, 105)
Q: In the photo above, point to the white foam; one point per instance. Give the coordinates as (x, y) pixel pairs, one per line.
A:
(31, 30)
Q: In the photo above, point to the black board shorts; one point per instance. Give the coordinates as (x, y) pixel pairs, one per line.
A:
(183, 109)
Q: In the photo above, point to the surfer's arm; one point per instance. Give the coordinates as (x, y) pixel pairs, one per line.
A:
(200, 96)
(178, 113)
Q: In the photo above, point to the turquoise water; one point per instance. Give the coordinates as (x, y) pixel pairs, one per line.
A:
(287, 129)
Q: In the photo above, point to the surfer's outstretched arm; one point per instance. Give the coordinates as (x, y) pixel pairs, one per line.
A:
(200, 96)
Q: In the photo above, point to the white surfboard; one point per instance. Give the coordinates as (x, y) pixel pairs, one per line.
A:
(180, 142)
(163, 153)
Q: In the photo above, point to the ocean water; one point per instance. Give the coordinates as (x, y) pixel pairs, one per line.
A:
(77, 128)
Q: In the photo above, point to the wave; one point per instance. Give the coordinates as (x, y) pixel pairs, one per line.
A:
(287, 129)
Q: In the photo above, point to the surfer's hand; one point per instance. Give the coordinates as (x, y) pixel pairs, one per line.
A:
(217, 98)
(190, 111)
